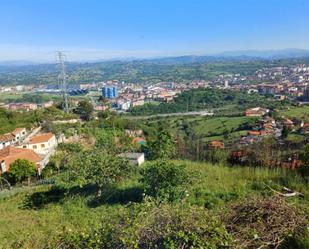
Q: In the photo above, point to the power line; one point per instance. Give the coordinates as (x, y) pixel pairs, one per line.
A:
(62, 77)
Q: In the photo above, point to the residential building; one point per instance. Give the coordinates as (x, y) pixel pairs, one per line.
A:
(256, 112)
(110, 92)
(6, 140)
(134, 133)
(19, 134)
(138, 102)
(23, 106)
(288, 123)
(10, 154)
(42, 143)
(216, 145)
(14, 137)
(257, 133)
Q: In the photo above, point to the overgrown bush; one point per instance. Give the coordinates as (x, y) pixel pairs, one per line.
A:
(304, 169)
(151, 226)
(163, 146)
(164, 180)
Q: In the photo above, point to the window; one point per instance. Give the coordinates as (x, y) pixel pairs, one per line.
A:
(42, 145)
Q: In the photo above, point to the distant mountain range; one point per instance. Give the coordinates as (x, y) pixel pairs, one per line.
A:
(236, 55)
(269, 54)
(241, 55)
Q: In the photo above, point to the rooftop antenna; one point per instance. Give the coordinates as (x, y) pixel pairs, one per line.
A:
(62, 77)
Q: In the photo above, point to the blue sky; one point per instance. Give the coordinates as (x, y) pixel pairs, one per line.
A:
(103, 29)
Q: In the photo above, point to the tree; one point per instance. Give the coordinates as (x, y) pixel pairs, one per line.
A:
(215, 155)
(162, 147)
(97, 167)
(84, 109)
(285, 132)
(163, 179)
(21, 170)
(264, 153)
(304, 156)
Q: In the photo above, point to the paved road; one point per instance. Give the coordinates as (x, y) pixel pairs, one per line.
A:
(195, 113)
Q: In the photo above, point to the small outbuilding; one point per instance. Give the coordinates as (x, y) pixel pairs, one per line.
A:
(134, 158)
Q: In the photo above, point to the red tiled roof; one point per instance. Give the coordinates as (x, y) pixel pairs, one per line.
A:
(216, 144)
(11, 154)
(6, 137)
(254, 133)
(138, 140)
(42, 138)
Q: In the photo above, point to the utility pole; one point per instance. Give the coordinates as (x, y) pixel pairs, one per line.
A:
(62, 77)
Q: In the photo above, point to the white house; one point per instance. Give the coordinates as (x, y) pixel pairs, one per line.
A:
(134, 158)
(19, 134)
(6, 140)
(12, 138)
(42, 143)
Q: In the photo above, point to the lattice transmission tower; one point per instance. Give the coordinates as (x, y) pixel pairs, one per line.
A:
(62, 78)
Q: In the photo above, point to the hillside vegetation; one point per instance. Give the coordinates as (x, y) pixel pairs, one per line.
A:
(40, 216)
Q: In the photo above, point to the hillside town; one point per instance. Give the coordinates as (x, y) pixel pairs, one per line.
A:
(281, 82)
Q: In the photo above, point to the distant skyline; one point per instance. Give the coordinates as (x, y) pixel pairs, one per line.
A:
(33, 30)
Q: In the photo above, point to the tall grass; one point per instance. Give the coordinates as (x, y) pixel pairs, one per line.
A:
(211, 186)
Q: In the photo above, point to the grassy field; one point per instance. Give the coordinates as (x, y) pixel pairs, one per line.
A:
(209, 128)
(24, 225)
(219, 125)
(9, 97)
(297, 112)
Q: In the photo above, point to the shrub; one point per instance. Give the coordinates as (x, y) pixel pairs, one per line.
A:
(163, 146)
(304, 169)
(151, 226)
(164, 179)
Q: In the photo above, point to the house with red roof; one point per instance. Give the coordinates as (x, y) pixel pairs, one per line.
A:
(41, 143)
(216, 145)
(10, 154)
(256, 112)
(12, 138)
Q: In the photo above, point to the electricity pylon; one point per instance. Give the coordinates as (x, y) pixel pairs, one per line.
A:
(62, 77)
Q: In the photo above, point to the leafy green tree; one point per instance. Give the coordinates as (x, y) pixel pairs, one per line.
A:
(21, 170)
(162, 147)
(84, 109)
(49, 170)
(285, 132)
(97, 167)
(164, 179)
(304, 156)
